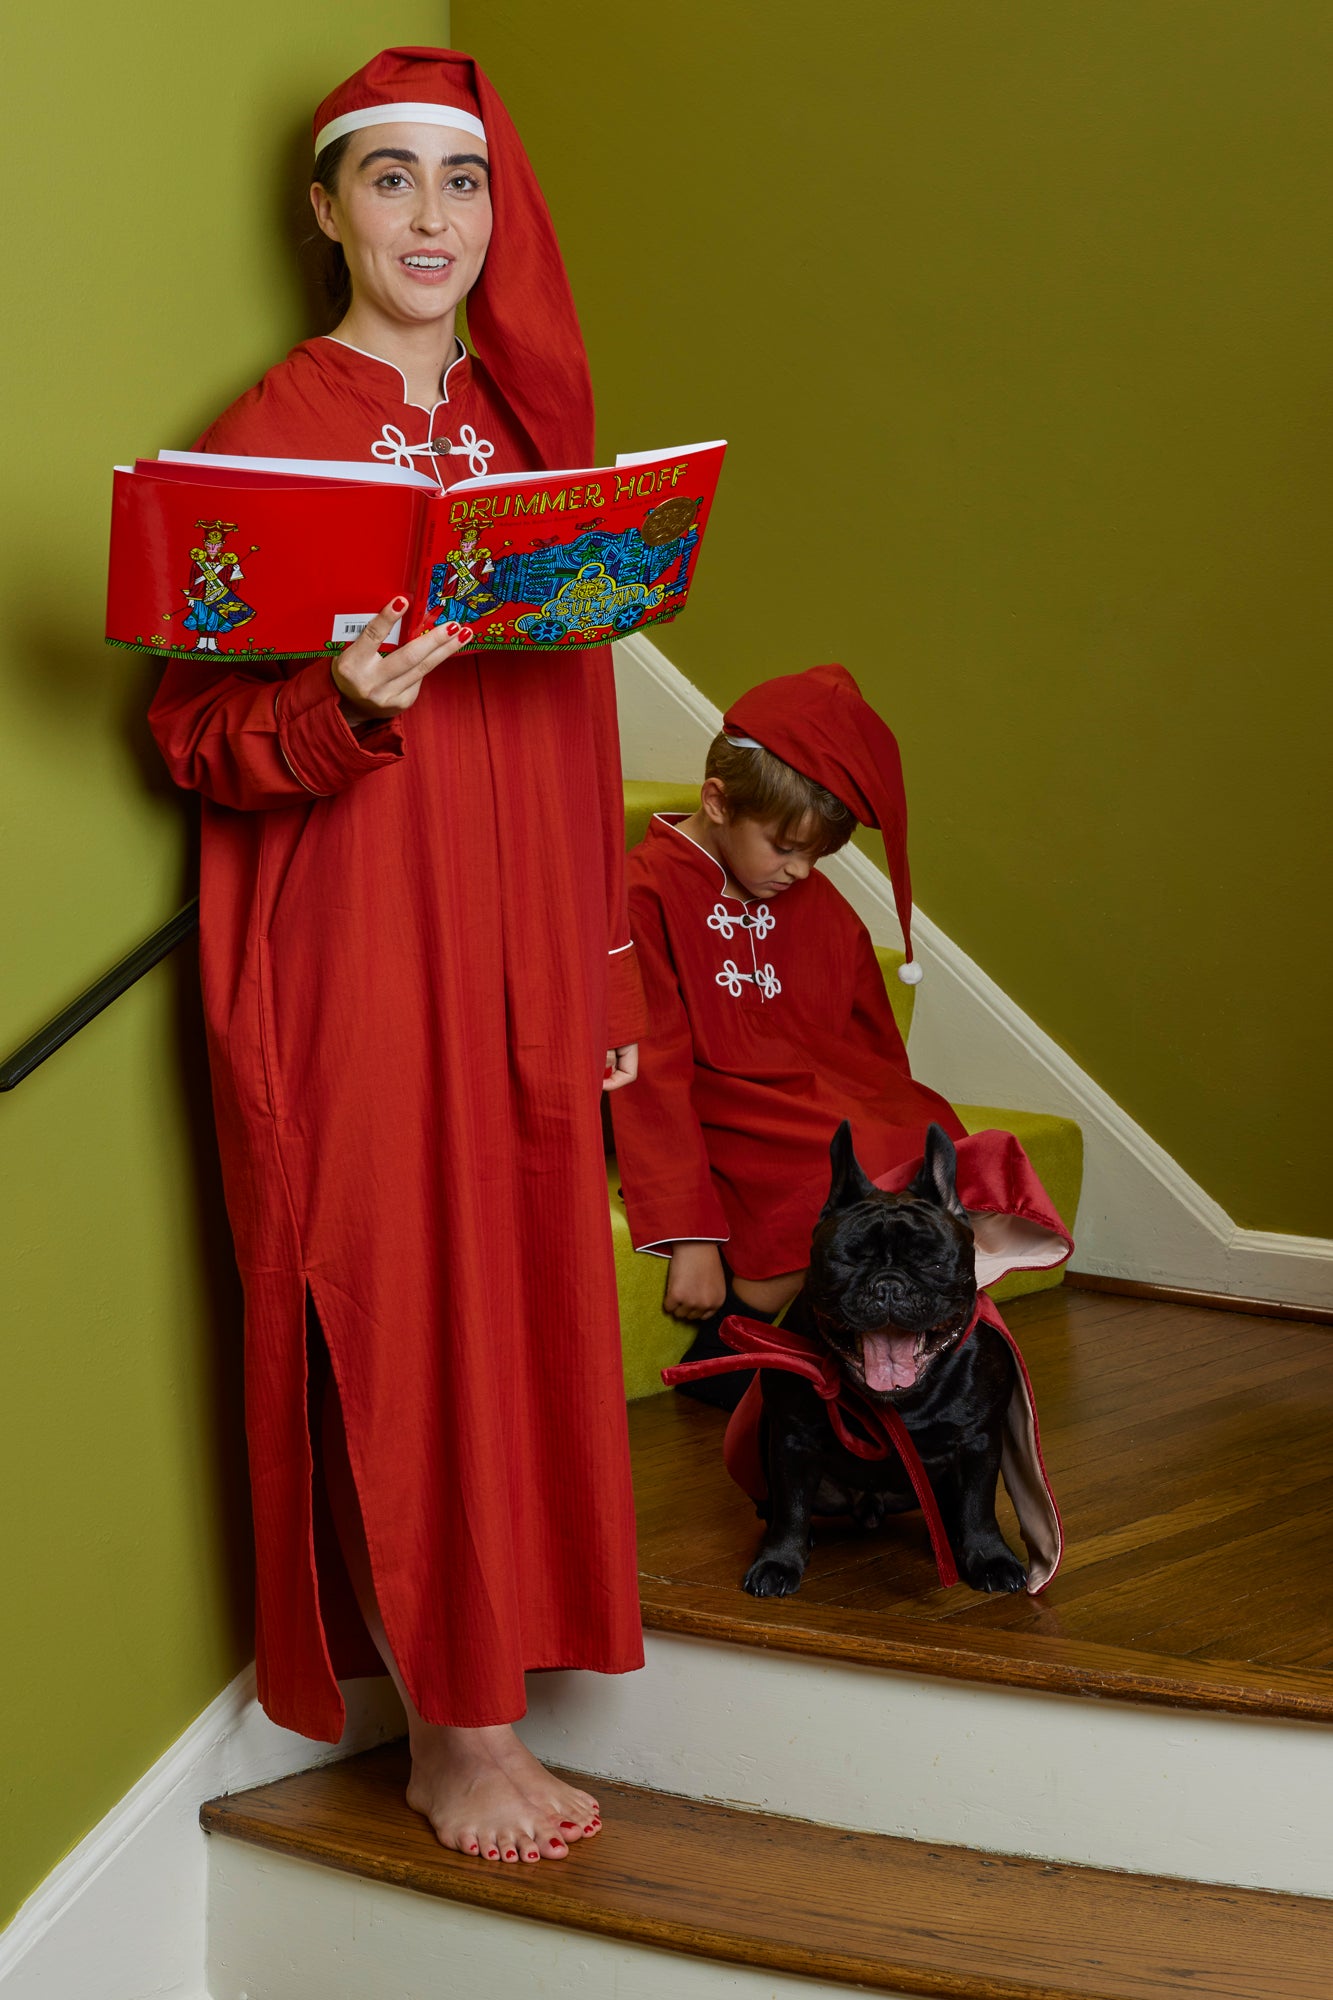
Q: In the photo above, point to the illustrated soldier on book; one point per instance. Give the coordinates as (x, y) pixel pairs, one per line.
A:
(458, 589)
(213, 605)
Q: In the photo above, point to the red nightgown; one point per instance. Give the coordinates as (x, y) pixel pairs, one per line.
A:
(414, 955)
(770, 1024)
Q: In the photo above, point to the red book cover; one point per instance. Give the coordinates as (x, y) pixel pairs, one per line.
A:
(288, 559)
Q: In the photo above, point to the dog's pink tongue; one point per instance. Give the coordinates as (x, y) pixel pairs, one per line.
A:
(889, 1360)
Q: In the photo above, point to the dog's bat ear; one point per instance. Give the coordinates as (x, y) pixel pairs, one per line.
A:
(850, 1183)
(937, 1180)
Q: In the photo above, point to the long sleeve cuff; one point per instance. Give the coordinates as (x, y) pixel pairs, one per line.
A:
(321, 748)
(660, 1217)
(626, 1008)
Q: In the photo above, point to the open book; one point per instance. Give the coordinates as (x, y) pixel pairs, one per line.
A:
(290, 557)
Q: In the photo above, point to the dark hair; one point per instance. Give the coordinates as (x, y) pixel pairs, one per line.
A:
(760, 786)
(332, 265)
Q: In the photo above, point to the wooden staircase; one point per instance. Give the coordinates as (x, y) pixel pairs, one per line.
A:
(1116, 1792)
(879, 1785)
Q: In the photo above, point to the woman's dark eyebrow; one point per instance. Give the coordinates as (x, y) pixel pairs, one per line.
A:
(413, 160)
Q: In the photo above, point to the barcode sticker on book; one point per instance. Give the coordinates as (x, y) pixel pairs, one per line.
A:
(349, 625)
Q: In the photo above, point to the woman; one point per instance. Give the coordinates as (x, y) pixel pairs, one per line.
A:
(417, 971)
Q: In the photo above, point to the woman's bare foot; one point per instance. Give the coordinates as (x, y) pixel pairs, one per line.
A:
(578, 1813)
(473, 1803)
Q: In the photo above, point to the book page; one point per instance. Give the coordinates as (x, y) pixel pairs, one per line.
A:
(304, 468)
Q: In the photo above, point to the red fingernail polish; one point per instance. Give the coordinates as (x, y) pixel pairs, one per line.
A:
(452, 627)
(399, 605)
(464, 634)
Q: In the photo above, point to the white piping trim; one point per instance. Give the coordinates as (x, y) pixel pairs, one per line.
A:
(614, 950)
(282, 748)
(399, 114)
(366, 355)
(700, 850)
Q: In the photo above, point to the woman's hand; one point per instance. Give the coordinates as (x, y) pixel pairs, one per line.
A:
(622, 1066)
(696, 1283)
(375, 686)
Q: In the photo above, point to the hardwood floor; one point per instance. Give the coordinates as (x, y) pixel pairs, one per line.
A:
(1191, 1454)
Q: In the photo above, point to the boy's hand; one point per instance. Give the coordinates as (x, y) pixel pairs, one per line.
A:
(622, 1066)
(696, 1283)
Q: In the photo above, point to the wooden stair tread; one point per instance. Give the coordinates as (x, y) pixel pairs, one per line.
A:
(845, 1908)
(1188, 1453)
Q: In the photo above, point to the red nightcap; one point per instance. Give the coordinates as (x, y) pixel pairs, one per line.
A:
(520, 312)
(820, 723)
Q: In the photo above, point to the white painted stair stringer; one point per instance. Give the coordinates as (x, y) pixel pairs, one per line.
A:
(1141, 1215)
(122, 1917)
(1208, 1797)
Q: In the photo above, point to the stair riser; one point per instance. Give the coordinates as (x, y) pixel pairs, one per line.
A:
(283, 1929)
(1212, 1798)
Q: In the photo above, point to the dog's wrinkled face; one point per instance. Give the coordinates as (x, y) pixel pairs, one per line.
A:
(892, 1276)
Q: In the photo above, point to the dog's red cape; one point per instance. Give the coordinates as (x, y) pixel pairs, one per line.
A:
(1022, 1233)
(415, 954)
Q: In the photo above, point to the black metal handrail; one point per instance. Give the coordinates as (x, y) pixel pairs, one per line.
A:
(88, 1005)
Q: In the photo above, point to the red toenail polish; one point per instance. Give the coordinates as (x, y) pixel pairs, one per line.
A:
(511, 1854)
(474, 1849)
(492, 1854)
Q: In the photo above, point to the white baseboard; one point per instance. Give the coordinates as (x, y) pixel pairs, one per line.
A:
(123, 1916)
(1141, 1215)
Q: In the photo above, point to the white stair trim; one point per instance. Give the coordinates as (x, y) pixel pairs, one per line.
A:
(123, 1915)
(1142, 1216)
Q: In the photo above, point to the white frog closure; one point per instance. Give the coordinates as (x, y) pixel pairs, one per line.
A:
(759, 923)
(763, 976)
(392, 448)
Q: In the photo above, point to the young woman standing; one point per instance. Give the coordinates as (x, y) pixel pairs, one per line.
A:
(418, 976)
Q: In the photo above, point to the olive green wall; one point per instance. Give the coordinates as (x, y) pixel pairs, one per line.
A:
(1019, 319)
(155, 161)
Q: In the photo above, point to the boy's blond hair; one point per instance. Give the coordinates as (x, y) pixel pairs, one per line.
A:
(760, 786)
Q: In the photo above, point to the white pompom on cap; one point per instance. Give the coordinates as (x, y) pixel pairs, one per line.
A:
(911, 972)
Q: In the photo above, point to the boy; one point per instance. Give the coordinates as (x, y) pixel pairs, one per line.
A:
(769, 1019)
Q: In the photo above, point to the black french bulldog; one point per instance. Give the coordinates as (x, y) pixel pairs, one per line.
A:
(891, 1290)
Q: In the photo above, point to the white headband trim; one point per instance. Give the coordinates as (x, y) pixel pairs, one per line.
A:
(744, 743)
(399, 114)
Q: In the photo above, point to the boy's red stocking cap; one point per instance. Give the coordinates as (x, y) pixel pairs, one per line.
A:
(820, 723)
(520, 312)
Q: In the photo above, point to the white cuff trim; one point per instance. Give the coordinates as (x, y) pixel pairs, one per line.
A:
(655, 1249)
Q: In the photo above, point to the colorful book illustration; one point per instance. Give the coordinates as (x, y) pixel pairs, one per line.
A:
(289, 557)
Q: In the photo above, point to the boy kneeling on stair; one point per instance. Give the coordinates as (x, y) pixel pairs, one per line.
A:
(770, 1022)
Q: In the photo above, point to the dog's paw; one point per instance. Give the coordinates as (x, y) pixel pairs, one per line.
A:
(773, 1576)
(995, 1572)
